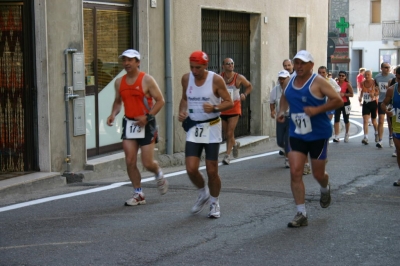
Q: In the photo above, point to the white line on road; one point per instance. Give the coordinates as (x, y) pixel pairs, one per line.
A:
(119, 184)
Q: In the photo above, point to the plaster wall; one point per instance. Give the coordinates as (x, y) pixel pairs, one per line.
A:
(61, 28)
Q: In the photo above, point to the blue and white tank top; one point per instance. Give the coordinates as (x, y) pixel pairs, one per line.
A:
(301, 125)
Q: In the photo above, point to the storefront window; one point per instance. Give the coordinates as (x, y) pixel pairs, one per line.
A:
(107, 33)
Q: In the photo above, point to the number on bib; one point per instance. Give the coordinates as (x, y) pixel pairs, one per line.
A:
(133, 131)
(230, 93)
(302, 123)
(366, 97)
(199, 133)
(347, 109)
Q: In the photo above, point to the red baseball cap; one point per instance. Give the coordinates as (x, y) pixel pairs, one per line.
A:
(199, 57)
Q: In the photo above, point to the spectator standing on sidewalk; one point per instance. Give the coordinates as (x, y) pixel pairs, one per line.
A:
(199, 110)
(382, 81)
(137, 90)
(282, 129)
(234, 81)
(310, 130)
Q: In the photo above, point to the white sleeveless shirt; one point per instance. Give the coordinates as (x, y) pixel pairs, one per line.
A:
(196, 97)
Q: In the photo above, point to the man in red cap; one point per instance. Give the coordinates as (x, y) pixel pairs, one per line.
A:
(199, 110)
(137, 90)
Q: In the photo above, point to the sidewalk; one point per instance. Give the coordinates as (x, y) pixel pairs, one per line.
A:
(113, 166)
(102, 168)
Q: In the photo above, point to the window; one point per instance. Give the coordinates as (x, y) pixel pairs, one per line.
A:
(107, 33)
(388, 56)
(376, 11)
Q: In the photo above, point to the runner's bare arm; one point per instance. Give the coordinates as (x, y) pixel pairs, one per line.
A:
(222, 92)
(183, 103)
(247, 85)
(154, 91)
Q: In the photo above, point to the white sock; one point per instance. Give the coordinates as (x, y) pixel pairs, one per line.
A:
(365, 136)
(160, 173)
(301, 208)
(324, 190)
(213, 199)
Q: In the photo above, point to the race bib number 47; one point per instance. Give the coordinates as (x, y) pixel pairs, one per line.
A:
(302, 123)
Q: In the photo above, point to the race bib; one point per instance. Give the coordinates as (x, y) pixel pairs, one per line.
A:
(199, 133)
(396, 111)
(383, 86)
(230, 93)
(132, 130)
(302, 122)
(367, 97)
(347, 109)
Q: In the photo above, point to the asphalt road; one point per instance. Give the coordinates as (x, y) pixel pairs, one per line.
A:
(359, 228)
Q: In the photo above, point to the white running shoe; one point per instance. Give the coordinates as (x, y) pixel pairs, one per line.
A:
(346, 138)
(214, 210)
(307, 169)
(201, 201)
(365, 141)
(287, 165)
(394, 154)
(391, 144)
(376, 138)
(162, 183)
(137, 199)
(235, 149)
(226, 160)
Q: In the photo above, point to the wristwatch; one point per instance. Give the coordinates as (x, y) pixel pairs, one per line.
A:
(149, 117)
(216, 109)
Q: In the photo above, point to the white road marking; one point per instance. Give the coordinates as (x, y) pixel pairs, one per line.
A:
(119, 184)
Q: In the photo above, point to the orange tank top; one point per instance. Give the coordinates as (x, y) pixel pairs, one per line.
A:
(135, 101)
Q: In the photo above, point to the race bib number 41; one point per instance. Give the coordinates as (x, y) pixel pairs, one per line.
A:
(133, 131)
(302, 123)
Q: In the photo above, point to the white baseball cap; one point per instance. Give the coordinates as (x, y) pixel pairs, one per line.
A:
(131, 54)
(304, 56)
(283, 74)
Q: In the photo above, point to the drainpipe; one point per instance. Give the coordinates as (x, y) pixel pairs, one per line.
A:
(67, 96)
(168, 76)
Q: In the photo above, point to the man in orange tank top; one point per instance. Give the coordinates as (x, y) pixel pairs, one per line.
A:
(234, 81)
(137, 90)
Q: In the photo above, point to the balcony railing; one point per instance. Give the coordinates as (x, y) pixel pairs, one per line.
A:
(391, 30)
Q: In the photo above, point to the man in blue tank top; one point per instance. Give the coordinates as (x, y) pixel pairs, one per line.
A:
(309, 129)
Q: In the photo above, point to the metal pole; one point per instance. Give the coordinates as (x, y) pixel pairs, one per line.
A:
(68, 158)
(168, 77)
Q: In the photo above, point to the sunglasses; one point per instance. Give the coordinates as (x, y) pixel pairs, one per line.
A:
(229, 63)
(342, 75)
